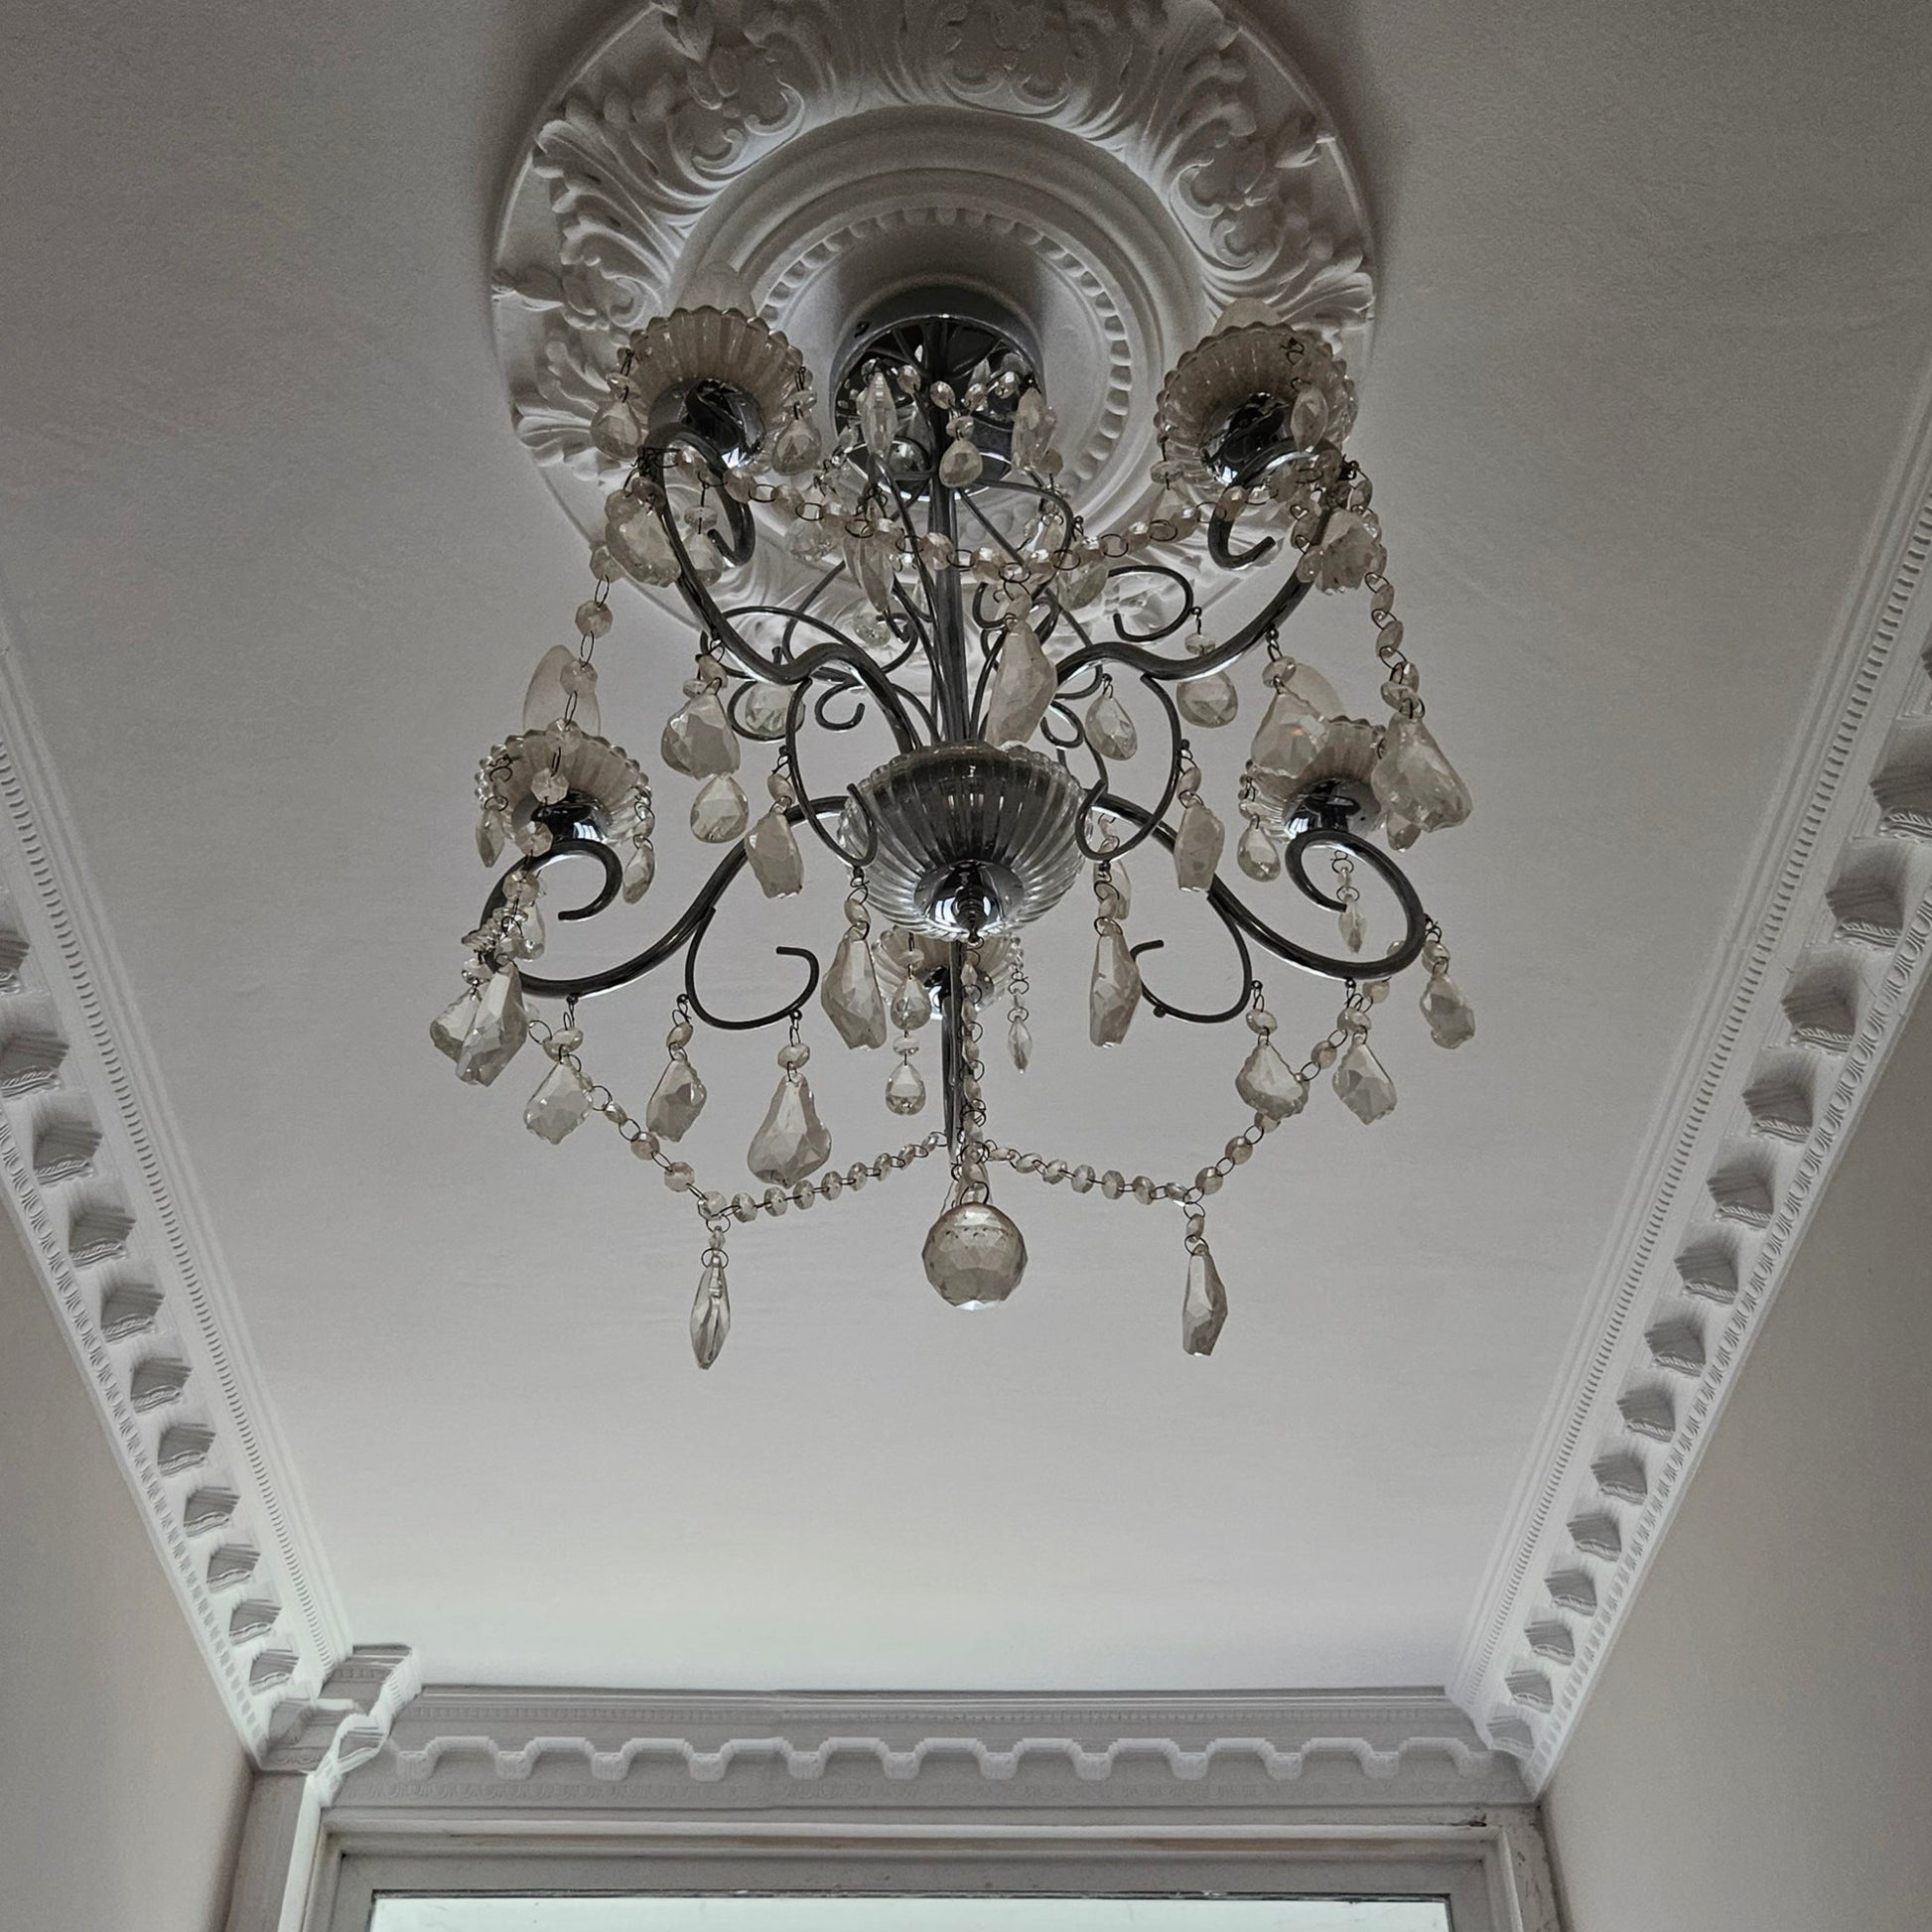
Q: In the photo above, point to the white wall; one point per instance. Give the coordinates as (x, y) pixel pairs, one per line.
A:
(1759, 1752)
(121, 1781)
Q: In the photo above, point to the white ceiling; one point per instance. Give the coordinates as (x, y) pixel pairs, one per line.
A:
(1653, 305)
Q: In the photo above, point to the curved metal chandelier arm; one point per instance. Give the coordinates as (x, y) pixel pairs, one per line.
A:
(795, 715)
(771, 1019)
(1173, 670)
(1238, 917)
(1099, 798)
(1166, 1010)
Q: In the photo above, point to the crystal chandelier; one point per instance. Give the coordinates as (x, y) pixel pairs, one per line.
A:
(933, 575)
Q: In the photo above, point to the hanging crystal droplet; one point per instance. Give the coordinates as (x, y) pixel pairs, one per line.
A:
(764, 708)
(1308, 419)
(1197, 847)
(773, 856)
(792, 1142)
(911, 1004)
(1033, 429)
(616, 432)
(1452, 1020)
(1023, 687)
(1211, 700)
(500, 1027)
(1079, 586)
(878, 415)
(851, 996)
(1204, 1307)
(531, 935)
(1414, 782)
(1305, 686)
(797, 447)
(677, 1101)
(558, 1105)
(1019, 1043)
(1287, 739)
(1115, 995)
(639, 869)
(973, 1255)
(492, 836)
(638, 541)
(961, 465)
(451, 1028)
(1110, 729)
(710, 1315)
(1257, 854)
(699, 741)
(549, 693)
(719, 811)
(1268, 1086)
(1363, 1082)
(1354, 926)
(906, 1090)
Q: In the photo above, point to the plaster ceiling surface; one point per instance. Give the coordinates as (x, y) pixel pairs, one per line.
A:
(1653, 305)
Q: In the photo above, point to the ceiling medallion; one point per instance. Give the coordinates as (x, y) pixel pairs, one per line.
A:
(910, 547)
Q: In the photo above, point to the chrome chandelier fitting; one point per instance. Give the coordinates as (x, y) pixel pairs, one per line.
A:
(945, 585)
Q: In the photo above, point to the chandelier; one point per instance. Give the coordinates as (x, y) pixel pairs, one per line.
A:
(1043, 683)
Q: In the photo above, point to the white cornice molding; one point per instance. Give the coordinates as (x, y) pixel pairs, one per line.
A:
(565, 1751)
(109, 1215)
(1819, 969)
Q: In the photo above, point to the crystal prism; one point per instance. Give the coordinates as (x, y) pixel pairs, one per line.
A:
(797, 447)
(1363, 1083)
(558, 1105)
(973, 1255)
(1452, 1020)
(1197, 847)
(1205, 1309)
(912, 1004)
(1287, 739)
(851, 997)
(531, 935)
(1110, 728)
(906, 1090)
(1019, 1043)
(792, 1142)
(616, 431)
(764, 708)
(500, 1027)
(1304, 686)
(1268, 1086)
(550, 692)
(1209, 701)
(639, 869)
(699, 741)
(1033, 429)
(677, 1101)
(961, 465)
(1079, 586)
(493, 834)
(1115, 993)
(1023, 684)
(878, 415)
(773, 856)
(719, 811)
(1414, 782)
(1348, 552)
(451, 1028)
(638, 541)
(1258, 855)
(710, 1315)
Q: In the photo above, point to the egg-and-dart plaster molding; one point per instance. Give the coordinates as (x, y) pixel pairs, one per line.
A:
(1819, 969)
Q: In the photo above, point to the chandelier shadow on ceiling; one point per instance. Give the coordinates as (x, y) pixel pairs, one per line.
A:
(952, 590)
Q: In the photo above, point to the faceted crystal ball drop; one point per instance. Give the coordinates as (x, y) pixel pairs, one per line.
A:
(973, 1255)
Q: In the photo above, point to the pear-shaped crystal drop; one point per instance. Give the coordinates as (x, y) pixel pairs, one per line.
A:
(1032, 426)
(1257, 854)
(906, 1090)
(640, 543)
(1023, 687)
(1287, 739)
(1452, 1020)
(797, 447)
(550, 692)
(1205, 1309)
(1304, 688)
(1210, 700)
(878, 415)
(699, 741)
(1354, 926)
(791, 1142)
(764, 708)
(677, 1101)
(1115, 993)
(616, 432)
(911, 1004)
(451, 1028)
(961, 464)
(639, 869)
(973, 1255)
(871, 562)
(710, 1315)
(1268, 1086)
(492, 836)
(1414, 781)
(1019, 1043)
(1079, 586)
(1363, 1083)
(500, 1027)
(531, 934)
(1309, 418)
(1110, 729)
(719, 811)
(558, 1105)
(773, 856)
(851, 997)
(1197, 847)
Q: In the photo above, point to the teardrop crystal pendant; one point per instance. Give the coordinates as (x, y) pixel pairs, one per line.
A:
(773, 853)
(912, 1004)
(558, 1105)
(1204, 1307)
(973, 1255)
(1115, 993)
(639, 869)
(531, 935)
(719, 811)
(1353, 922)
(791, 1142)
(1110, 730)
(878, 415)
(1019, 1043)
(616, 431)
(851, 998)
(1023, 687)
(961, 465)
(677, 1101)
(451, 1028)
(500, 1027)
(1452, 1020)
(710, 1315)
(906, 1090)
(764, 708)
(1363, 1083)
(550, 692)
(797, 447)
(1414, 782)
(1287, 739)
(699, 741)
(493, 834)
(1269, 1085)
(1257, 854)
(1197, 847)
(1033, 429)
(1211, 700)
